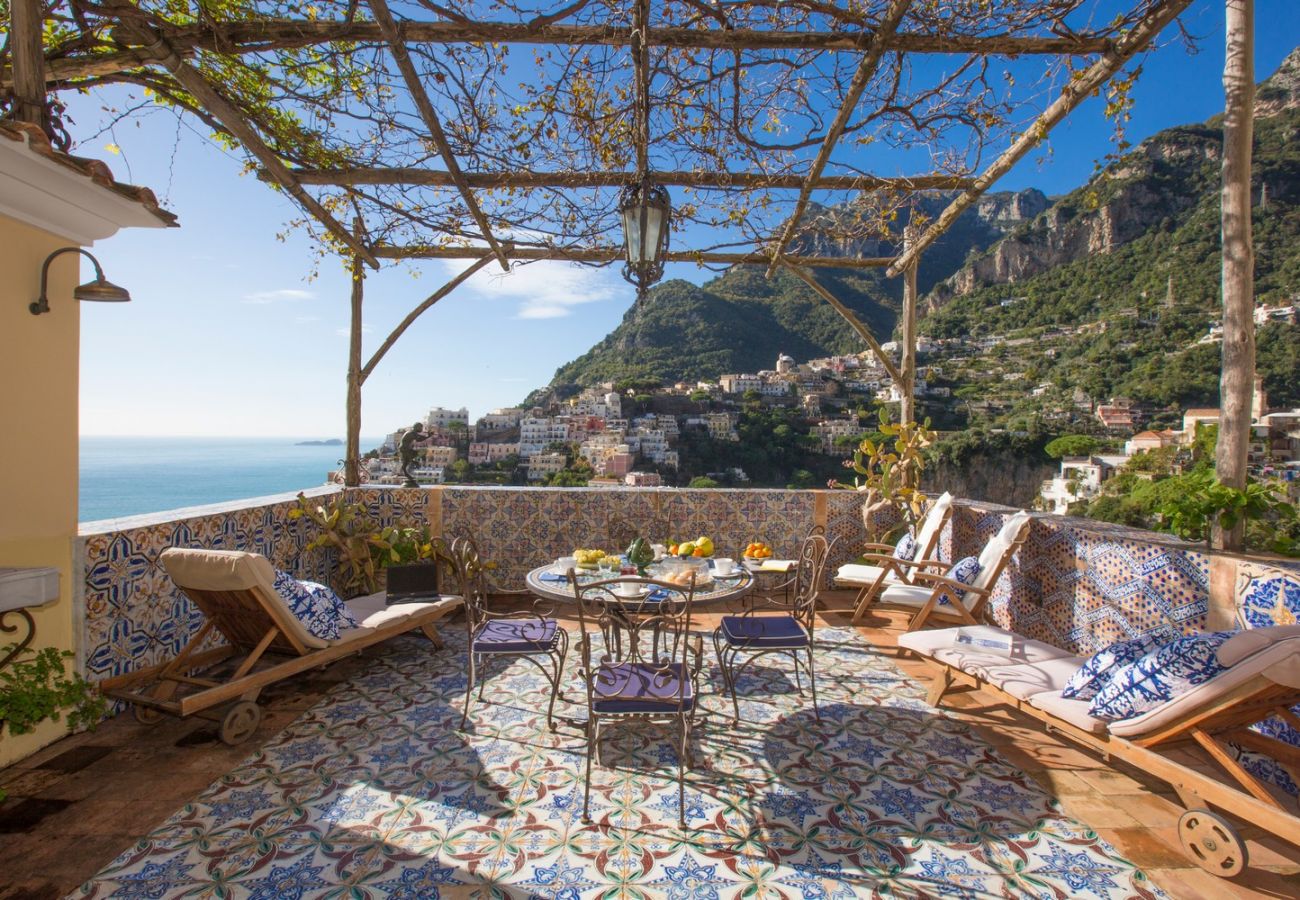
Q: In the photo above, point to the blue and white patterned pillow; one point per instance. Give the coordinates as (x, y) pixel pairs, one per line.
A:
(965, 572)
(1159, 676)
(905, 548)
(1093, 674)
(320, 610)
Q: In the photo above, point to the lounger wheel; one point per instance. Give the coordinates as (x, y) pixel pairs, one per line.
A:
(1210, 841)
(146, 715)
(239, 723)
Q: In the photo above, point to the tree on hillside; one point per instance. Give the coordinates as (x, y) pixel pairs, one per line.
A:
(1072, 445)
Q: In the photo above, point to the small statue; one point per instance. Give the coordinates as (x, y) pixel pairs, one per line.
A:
(406, 452)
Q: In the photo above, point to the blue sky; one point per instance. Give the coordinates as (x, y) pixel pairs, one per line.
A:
(227, 336)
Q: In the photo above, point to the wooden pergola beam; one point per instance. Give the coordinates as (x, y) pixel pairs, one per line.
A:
(530, 179)
(252, 37)
(482, 260)
(1078, 89)
(861, 78)
(611, 254)
(397, 48)
(233, 121)
(641, 103)
(854, 322)
(26, 27)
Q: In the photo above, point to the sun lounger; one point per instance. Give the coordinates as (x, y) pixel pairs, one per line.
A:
(882, 568)
(236, 593)
(1262, 680)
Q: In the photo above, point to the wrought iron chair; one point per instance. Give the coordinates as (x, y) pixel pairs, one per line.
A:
(521, 634)
(644, 670)
(772, 625)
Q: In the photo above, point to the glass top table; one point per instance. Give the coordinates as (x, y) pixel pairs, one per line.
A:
(548, 582)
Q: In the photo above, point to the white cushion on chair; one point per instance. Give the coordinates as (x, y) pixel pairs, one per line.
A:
(941, 644)
(913, 595)
(1073, 711)
(859, 575)
(1250, 641)
(1024, 680)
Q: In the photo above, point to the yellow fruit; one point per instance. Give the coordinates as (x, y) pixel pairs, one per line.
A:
(685, 549)
(705, 544)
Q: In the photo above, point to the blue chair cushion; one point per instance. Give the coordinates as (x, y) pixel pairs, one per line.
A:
(641, 688)
(770, 632)
(965, 571)
(320, 610)
(534, 635)
(1093, 674)
(905, 548)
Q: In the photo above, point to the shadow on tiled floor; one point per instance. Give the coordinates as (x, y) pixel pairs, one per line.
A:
(77, 804)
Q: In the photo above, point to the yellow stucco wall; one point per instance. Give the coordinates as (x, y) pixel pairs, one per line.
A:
(38, 434)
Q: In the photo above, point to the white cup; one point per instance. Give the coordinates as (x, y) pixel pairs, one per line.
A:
(724, 565)
(565, 563)
(627, 589)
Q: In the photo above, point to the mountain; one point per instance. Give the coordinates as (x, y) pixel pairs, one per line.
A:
(741, 320)
(1126, 265)
(1133, 255)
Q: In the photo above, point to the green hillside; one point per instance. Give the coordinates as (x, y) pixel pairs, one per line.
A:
(1150, 300)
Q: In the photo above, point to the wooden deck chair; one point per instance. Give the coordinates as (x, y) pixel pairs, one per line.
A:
(263, 639)
(882, 568)
(1172, 742)
(939, 597)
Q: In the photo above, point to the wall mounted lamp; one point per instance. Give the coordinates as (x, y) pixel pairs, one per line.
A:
(100, 290)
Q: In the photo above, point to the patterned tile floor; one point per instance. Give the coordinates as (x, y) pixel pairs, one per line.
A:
(371, 785)
(374, 792)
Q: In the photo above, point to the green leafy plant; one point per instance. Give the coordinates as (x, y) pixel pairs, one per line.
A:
(364, 548)
(36, 685)
(1201, 500)
(888, 472)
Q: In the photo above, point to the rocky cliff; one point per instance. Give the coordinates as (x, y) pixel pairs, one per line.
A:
(1155, 184)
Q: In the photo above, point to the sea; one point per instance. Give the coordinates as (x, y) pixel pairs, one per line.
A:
(128, 476)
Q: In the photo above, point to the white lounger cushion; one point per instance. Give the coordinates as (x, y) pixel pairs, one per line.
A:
(1280, 662)
(859, 575)
(915, 595)
(373, 613)
(941, 644)
(1250, 641)
(1024, 680)
(1073, 711)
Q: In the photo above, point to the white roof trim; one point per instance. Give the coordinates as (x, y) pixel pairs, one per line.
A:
(41, 192)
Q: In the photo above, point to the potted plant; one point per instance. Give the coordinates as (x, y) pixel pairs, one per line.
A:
(889, 476)
(35, 685)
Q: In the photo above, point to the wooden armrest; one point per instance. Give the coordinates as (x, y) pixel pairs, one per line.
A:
(925, 563)
(872, 545)
(940, 581)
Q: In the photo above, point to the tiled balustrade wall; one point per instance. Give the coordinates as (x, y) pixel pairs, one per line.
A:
(1076, 584)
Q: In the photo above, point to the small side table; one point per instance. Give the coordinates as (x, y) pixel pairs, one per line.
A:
(22, 590)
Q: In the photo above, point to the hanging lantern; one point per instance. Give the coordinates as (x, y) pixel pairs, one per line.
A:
(646, 209)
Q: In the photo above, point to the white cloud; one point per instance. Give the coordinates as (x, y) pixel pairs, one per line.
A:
(345, 330)
(264, 297)
(544, 290)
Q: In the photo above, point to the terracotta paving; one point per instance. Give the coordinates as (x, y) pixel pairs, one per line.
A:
(77, 804)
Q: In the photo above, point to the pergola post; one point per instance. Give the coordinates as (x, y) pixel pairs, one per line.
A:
(1237, 380)
(352, 454)
(26, 27)
(907, 389)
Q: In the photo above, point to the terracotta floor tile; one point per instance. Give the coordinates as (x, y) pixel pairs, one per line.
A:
(1097, 812)
(1148, 809)
(1145, 846)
